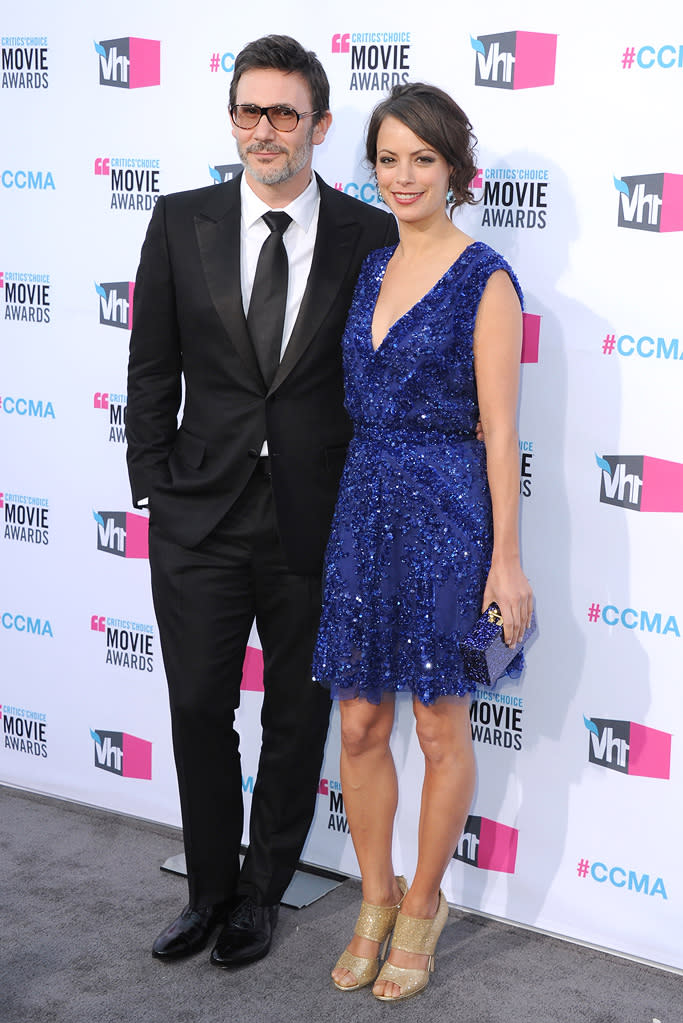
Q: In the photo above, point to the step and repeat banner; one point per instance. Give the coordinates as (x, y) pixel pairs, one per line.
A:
(576, 825)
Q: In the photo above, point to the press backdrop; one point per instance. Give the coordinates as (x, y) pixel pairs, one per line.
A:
(576, 823)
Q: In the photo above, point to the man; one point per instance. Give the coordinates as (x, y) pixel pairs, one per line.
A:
(241, 495)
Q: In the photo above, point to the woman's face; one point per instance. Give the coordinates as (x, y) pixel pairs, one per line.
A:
(412, 176)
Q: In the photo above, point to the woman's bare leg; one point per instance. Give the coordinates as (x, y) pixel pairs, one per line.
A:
(445, 737)
(370, 789)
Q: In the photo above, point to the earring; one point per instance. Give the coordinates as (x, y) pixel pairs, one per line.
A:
(450, 197)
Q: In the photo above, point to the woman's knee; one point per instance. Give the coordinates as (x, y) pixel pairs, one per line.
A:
(364, 727)
(443, 733)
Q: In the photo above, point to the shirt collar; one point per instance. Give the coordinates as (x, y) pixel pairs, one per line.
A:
(301, 209)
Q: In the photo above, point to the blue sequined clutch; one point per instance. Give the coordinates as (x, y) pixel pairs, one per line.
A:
(485, 656)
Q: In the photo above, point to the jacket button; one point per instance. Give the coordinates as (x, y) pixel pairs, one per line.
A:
(252, 452)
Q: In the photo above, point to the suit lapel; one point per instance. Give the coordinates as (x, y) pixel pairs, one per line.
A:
(218, 235)
(335, 240)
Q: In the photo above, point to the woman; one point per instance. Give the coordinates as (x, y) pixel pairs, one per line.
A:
(425, 534)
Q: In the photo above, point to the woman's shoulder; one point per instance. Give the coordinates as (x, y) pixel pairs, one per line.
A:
(379, 257)
(484, 255)
(484, 261)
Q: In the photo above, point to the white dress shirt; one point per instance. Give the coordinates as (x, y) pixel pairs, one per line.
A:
(299, 239)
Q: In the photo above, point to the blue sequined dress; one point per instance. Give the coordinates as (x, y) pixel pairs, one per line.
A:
(411, 538)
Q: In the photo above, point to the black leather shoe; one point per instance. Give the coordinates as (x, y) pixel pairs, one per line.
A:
(246, 936)
(188, 933)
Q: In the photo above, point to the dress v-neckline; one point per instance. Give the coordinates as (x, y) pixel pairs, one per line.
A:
(415, 304)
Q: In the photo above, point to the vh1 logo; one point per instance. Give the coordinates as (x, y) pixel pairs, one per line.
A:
(641, 483)
(225, 172)
(488, 845)
(122, 754)
(629, 748)
(515, 60)
(116, 303)
(129, 63)
(651, 202)
(122, 533)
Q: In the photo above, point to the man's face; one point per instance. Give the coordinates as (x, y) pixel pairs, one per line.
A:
(272, 157)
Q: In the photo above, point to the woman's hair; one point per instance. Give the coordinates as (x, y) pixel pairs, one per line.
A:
(437, 119)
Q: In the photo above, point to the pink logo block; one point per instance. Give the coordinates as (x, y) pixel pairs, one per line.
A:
(137, 536)
(662, 486)
(497, 846)
(145, 62)
(535, 54)
(137, 757)
(252, 671)
(649, 754)
(531, 332)
(341, 42)
(671, 218)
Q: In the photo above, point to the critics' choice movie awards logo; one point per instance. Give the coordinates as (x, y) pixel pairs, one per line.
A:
(26, 296)
(116, 303)
(377, 60)
(122, 533)
(129, 63)
(488, 845)
(24, 62)
(134, 181)
(25, 519)
(222, 172)
(526, 469)
(496, 719)
(122, 754)
(515, 197)
(128, 644)
(641, 483)
(24, 731)
(115, 406)
(643, 347)
(514, 60)
(629, 748)
(331, 791)
(651, 202)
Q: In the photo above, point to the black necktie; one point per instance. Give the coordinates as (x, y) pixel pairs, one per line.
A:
(266, 316)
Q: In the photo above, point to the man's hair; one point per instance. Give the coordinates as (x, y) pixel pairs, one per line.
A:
(282, 53)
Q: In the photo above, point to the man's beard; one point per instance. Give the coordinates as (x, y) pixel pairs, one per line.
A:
(294, 162)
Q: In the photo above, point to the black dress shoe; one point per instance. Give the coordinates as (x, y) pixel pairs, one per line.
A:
(246, 936)
(188, 933)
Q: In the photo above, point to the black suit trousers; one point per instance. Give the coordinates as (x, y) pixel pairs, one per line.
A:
(205, 600)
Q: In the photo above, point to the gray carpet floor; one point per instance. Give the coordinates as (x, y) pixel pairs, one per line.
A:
(82, 897)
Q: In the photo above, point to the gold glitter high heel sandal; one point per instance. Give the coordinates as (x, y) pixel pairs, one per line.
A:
(375, 923)
(413, 934)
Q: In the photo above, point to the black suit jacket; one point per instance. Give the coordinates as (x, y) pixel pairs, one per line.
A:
(189, 323)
